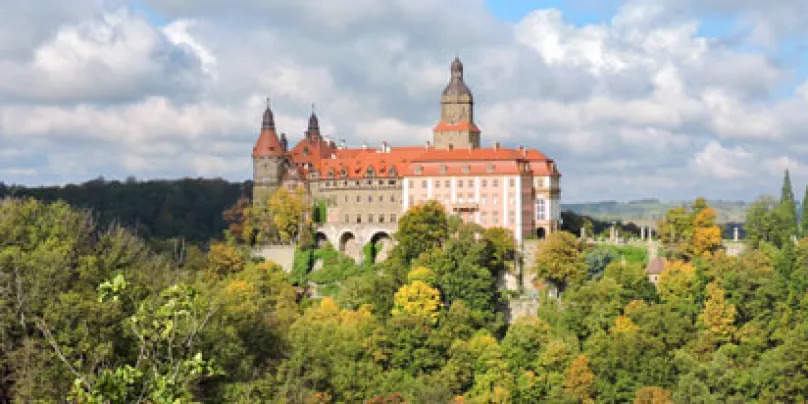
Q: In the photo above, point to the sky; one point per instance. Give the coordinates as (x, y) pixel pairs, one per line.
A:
(669, 99)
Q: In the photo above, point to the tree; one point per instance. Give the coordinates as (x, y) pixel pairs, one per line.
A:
(706, 233)
(653, 395)
(804, 216)
(675, 232)
(417, 300)
(560, 261)
(580, 381)
(766, 223)
(676, 282)
(788, 205)
(719, 315)
(421, 229)
(287, 211)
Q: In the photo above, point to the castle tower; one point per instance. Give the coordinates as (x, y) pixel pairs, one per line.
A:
(268, 158)
(313, 131)
(456, 129)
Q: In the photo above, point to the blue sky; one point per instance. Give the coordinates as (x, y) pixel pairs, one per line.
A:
(627, 98)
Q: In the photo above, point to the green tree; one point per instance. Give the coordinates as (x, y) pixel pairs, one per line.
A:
(788, 206)
(804, 215)
(560, 261)
(421, 229)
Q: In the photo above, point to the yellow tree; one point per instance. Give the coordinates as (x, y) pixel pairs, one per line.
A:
(676, 281)
(560, 260)
(417, 300)
(653, 395)
(719, 314)
(580, 381)
(224, 259)
(287, 209)
(423, 274)
(706, 233)
(624, 325)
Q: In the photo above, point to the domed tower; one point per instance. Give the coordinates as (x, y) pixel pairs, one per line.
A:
(268, 160)
(456, 129)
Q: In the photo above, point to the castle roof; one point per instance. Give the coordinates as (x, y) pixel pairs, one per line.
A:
(268, 144)
(656, 266)
(423, 161)
(457, 87)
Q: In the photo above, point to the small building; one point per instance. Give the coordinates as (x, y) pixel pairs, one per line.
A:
(654, 269)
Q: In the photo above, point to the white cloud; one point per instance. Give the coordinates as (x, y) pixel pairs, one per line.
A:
(722, 163)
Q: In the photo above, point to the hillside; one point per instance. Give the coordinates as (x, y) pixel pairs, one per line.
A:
(653, 210)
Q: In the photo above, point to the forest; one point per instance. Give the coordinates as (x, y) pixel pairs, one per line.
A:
(90, 312)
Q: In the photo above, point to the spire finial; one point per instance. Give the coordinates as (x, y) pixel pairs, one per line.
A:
(269, 103)
(312, 108)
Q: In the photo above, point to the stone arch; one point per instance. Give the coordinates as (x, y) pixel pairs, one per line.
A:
(382, 243)
(349, 245)
(541, 233)
(320, 239)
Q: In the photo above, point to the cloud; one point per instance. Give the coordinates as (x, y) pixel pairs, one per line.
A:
(723, 163)
(643, 104)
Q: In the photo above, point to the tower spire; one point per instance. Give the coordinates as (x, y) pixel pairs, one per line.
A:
(268, 122)
(314, 124)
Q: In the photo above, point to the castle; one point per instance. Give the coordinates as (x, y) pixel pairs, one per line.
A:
(367, 189)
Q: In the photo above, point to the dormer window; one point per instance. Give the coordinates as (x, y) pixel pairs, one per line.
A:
(419, 170)
(305, 150)
(490, 168)
(466, 169)
(371, 172)
(393, 172)
(343, 173)
(443, 169)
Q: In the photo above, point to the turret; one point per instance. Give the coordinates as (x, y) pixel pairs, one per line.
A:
(268, 156)
(456, 129)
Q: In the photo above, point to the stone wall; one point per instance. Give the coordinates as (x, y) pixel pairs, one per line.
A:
(283, 255)
(520, 308)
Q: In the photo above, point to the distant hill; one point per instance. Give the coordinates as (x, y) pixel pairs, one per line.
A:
(190, 208)
(651, 210)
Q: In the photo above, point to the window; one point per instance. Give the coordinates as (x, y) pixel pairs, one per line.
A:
(490, 168)
(447, 183)
(358, 199)
(392, 198)
(460, 183)
(484, 183)
(412, 184)
(443, 169)
(393, 218)
(419, 170)
(370, 198)
(511, 199)
(495, 217)
(483, 218)
(412, 200)
(347, 218)
(381, 198)
(437, 183)
(358, 218)
(346, 198)
(483, 200)
(370, 218)
(495, 183)
(424, 184)
(381, 218)
(541, 210)
(511, 217)
(466, 169)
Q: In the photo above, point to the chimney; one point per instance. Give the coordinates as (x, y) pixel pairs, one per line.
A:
(428, 144)
(364, 146)
(521, 148)
(496, 145)
(384, 147)
(342, 143)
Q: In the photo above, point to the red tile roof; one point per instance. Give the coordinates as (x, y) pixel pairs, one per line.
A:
(268, 145)
(461, 126)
